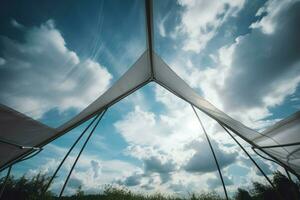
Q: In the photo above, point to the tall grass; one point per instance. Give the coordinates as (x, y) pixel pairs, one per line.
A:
(31, 189)
(112, 193)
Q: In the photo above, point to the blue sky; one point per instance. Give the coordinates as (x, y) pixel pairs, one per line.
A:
(242, 56)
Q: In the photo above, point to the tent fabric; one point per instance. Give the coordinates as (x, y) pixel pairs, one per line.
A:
(19, 130)
(286, 131)
(135, 77)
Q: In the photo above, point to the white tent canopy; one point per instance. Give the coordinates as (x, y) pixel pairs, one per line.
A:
(21, 135)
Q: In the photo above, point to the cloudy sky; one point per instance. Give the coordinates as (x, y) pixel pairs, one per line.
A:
(241, 55)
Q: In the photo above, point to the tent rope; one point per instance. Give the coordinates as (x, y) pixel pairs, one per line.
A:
(81, 150)
(213, 152)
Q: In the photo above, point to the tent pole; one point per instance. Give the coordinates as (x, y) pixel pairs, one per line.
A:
(81, 150)
(288, 174)
(149, 32)
(67, 154)
(213, 152)
(18, 145)
(280, 145)
(5, 182)
(30, 156)
(269, 159)
(255, 163)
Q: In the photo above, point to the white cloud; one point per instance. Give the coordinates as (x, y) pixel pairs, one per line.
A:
(139, 127)
(200, 20)
(145, 128)
(41, 73)
(111, 171)
(96, 168)
(259, 77)
(272, 9)
(216, 182)
(253, 74)
(202, 159)
(132, 180)
(2, 61)
(91, 172)
(16, 24)
(161, 144)
(159, 164)
(161, 25)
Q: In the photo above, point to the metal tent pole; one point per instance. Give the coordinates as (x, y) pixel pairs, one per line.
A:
(18, 145)
(280, 145)
(213, 152)
(269, 159)
(67, 154)
(31, 156)
(149, 32)
(288, 174)
(81, 150)
(255, 163)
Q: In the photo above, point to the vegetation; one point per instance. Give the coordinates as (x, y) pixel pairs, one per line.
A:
(24, 188)
(31, 189)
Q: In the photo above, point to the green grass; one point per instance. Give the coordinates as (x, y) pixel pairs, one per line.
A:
(31, 189)
(111, 193)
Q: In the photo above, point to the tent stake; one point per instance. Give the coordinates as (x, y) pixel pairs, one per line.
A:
(81, 150)
(213, 152)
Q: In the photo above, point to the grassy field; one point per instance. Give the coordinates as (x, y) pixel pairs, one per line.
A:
(31, 189)
(111, 193)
